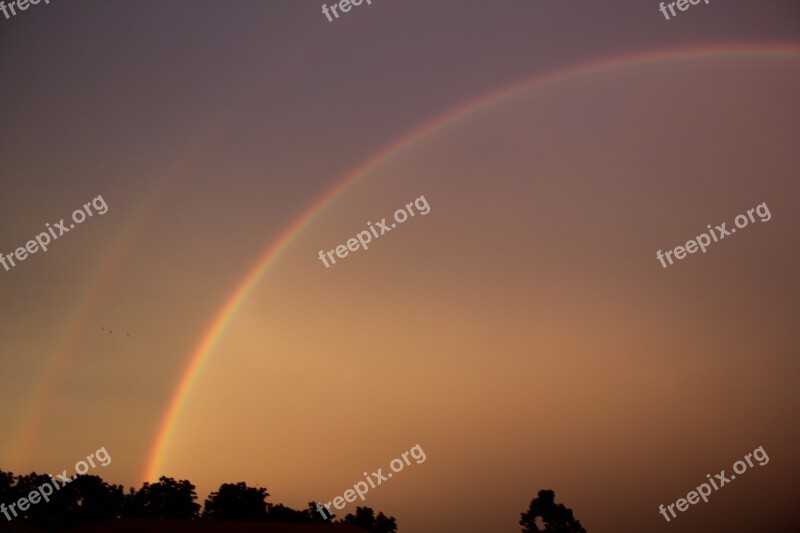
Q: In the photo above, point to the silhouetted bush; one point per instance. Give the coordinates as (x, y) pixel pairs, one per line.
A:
(237, 502)
(365, 519)
(167, 498)
(555, 518)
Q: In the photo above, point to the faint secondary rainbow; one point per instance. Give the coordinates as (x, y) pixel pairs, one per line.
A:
(272, 253)
(79, 324)
(174, 175)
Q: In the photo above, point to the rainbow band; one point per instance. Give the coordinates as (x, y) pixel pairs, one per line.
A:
(217, 326)
(37, 409)
(173, 177)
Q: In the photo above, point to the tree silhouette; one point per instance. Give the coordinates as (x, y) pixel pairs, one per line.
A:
(166, 499)
(315, 515)
(555, 518)
(6, 485)
(82, 501)
(236, 502)
(365, 519)
(384, 524)
(281, 513)
(93, 500)
(36, 514)
(87, 500)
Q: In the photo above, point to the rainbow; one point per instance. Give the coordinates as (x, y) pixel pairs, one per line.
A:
(172, 177)
(80, 316)
(273, 252)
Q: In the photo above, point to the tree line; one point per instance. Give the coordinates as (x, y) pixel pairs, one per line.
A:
(88, 500)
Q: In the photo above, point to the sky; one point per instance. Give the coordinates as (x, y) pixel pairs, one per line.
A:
(522, 331)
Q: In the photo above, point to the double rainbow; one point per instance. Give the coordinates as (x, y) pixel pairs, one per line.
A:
(218, 324)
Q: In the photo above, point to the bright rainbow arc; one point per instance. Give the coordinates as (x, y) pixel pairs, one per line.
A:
(219, 323)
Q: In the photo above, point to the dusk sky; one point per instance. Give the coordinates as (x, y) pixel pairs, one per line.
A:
(520, 328)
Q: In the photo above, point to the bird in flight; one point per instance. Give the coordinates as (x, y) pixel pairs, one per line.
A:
(103, 328)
